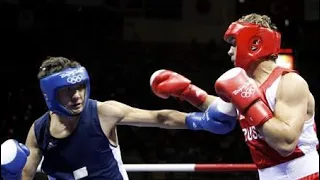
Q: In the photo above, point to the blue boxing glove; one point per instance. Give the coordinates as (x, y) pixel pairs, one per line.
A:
(219, 118)
(13, 158)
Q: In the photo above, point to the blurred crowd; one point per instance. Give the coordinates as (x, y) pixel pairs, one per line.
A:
(120, 70)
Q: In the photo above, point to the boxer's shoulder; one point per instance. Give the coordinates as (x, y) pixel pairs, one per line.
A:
(292, 76)
(43, 117)
(41, 122)
(292, 84)
(108, 106)
(38, 129)
(110, 109)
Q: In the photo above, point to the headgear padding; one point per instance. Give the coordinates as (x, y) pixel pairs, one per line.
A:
(68, 77)
(253, 42)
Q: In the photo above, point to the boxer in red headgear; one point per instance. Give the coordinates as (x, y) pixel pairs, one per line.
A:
(254, 43)
(276, 109)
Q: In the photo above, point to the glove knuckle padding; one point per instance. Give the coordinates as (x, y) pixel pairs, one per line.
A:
(155, 76)
(167, 86)
(213, 119)
(236, 87)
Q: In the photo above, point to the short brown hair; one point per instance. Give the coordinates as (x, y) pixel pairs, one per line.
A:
(262, 20)
(52, 65)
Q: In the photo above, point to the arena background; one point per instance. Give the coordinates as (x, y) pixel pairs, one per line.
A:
(122, 42)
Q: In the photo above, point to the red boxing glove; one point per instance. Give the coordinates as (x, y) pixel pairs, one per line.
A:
(235, 86)
(165, 83)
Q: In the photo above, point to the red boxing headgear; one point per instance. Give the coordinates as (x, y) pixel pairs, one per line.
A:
(253, 42)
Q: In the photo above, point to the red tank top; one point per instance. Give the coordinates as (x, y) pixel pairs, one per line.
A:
(262, 154)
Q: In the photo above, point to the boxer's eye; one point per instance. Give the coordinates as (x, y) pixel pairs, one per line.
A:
(66, 89)
(233, 42)
(256, 42)
(81, 86)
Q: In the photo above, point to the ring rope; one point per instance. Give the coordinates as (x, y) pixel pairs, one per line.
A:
(186, 167)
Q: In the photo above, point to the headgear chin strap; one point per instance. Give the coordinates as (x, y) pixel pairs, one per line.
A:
(253, 42)
(68, 77)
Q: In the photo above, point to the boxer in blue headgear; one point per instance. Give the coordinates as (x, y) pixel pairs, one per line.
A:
(77, 137)
(64, 80)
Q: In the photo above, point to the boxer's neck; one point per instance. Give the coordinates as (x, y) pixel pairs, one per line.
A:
(61, 127)
(262, 71)
(66, 120)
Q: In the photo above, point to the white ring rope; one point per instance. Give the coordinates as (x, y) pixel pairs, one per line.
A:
(186, 167)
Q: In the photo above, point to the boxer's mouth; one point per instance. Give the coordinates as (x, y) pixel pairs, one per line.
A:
(77, 105)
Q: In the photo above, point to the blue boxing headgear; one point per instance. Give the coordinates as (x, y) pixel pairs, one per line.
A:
(67, 77)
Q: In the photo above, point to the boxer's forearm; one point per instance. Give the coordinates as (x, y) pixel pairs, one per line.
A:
(35, 157)
(171, 119)
(208, 101)
(27, 177)
(30, 169)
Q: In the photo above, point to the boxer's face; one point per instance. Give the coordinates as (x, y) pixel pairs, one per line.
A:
(233, 51)
(72, 97)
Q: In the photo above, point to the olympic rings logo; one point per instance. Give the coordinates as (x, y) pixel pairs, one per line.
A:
(246, 93)
(246, 90)
(75, 79)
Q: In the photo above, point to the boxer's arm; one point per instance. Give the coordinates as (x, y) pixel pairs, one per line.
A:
(207, 102)
(124, 114)
(34, 158)
(283, 130)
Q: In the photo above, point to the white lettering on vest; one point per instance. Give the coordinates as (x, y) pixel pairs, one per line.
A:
(250, 133)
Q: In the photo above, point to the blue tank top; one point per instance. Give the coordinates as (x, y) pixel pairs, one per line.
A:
(85, 154)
